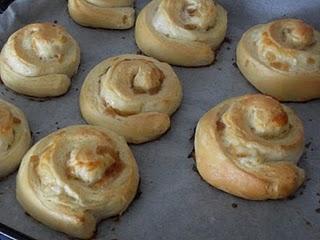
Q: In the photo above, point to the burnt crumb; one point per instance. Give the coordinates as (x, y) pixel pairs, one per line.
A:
(193, 134)
(38, 132)
(139, 52)
(76, 89)
(228, 48)
(307, 222)
(318, 194)
(235, 65)
(55, 21)
(234, 205)
(310, 120)
(194, 168)
(12, 99)
(232, 59)
(227, 40)
(58, 128)
(27, 214)
(56, 123)
(308, 179)
(307, 145)
(219, 69)
(301, 193)
(37, 99)
(192, 154)
(116, 218)
(138, 194)
(123, 38)
(291, 197)
(113, 229)
(317, 210)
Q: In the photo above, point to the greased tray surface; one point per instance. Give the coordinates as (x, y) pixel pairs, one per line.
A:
(175, 203)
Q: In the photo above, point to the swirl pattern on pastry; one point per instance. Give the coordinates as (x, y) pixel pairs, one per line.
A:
(15, 138)
(110, 14)
(282, 59)
(181, 32)
(133, 95)
(77, 176)
(39, 60)
(249, 147)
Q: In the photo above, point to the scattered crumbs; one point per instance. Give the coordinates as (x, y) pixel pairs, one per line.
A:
(55, 21)
(235, 65)
(192, 154)
(317, 210)
(227, 40)
(234, 205)
(307, 145)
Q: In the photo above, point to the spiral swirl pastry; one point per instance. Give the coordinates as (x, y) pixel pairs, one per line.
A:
(181, 32)
(282, 59)
(249, 147)
(15, 138)
(77, 176)
(39, 60)
(111, 14)
(133, 95)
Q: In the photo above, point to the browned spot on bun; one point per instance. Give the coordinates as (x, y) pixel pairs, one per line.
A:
(281, 119)
(281, 66)
(311, 61)
(16, 120)
(220, 125)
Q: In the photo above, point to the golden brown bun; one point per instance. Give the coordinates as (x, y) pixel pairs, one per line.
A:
(133, 95)
(39, 60)
(15, 138)
(179, 33)
(77, 176)
(282, 59)
(249, 147)
(112, 14)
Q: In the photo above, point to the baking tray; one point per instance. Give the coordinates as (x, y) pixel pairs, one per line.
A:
(174, 202)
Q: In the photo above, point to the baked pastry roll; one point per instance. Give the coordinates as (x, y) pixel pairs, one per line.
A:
(249, 146)
(133, 95)
(15, 138)
(282, 59)
(39, 60)
(77, 176)
(181, 32)
(112, 14)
